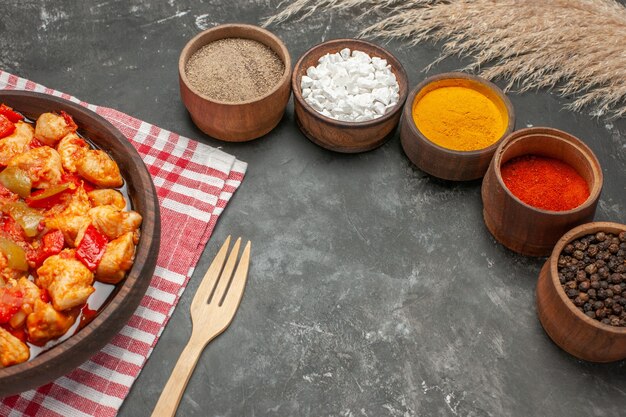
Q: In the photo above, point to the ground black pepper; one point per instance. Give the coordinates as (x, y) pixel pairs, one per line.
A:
(592, 272)
(234, 70)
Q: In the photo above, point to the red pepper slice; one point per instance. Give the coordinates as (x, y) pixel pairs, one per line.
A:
(11, 299)
(49, 197)
(10, 114)
(68, 120)
(87, 186)
(35, 143)
(91, 247)
(6, 126)
(51, 243)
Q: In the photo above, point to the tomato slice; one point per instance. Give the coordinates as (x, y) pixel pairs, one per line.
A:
(8, 112)
(6, 126)
(11, 299)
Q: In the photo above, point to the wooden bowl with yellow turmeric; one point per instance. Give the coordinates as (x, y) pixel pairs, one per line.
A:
(452, 124)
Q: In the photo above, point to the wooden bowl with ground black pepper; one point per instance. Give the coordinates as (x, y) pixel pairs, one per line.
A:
(234, 81)
(573, 321)
(525, 228)
(452, 124)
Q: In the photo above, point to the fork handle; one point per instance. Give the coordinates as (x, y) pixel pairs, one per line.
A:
(175, 387)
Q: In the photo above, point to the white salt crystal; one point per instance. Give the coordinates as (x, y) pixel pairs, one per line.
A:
(307, 81)
(379, 108)
(350, 86)
(382, 94)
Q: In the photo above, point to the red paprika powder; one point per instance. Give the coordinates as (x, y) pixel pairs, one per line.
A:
(545, 183)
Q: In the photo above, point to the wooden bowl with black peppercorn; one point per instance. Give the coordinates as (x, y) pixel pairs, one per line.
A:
(346, 136)
(570, 328)
(237, 118)
(519, 226)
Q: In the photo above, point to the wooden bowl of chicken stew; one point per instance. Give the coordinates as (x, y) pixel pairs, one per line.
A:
(79, 236)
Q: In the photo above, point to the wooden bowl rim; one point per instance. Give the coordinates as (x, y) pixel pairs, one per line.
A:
(576, 232)
(553, 133)
(408, 111)
(142, 255)
(349, 43)
(284, 79)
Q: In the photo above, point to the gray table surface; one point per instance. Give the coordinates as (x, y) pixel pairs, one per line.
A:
(375, 290)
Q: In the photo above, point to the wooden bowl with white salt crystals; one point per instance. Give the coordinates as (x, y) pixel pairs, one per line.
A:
(338, 135)
(232, 119)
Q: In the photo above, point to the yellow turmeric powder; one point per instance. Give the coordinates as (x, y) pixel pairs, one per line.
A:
(459, 118)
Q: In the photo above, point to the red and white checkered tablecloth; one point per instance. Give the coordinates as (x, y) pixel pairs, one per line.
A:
(194, 182)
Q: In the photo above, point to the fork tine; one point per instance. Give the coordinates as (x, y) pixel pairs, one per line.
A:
(212, 274)
(224, 279)
(232, 298)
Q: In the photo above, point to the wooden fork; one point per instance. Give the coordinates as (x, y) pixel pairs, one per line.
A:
(212, 310)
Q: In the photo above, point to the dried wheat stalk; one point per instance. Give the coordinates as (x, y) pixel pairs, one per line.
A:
(575, 46)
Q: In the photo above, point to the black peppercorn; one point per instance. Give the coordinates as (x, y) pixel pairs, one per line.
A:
(615, 278)
(592, 272)
(591, 269)
(571, 293)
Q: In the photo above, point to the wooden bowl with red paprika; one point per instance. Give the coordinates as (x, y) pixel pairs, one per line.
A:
(544, 198)
(55, 361)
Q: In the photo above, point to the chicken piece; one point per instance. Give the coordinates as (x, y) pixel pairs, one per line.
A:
(30, 294)
(16, 143)
(67, 280)
(70, 226)
(71, 148)
(107, 197)
(12, 349)
(98, 167)
(43, 166)
(118, 258)
(51, 128)
(79, 204)
(46, 323)
(113, 222)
